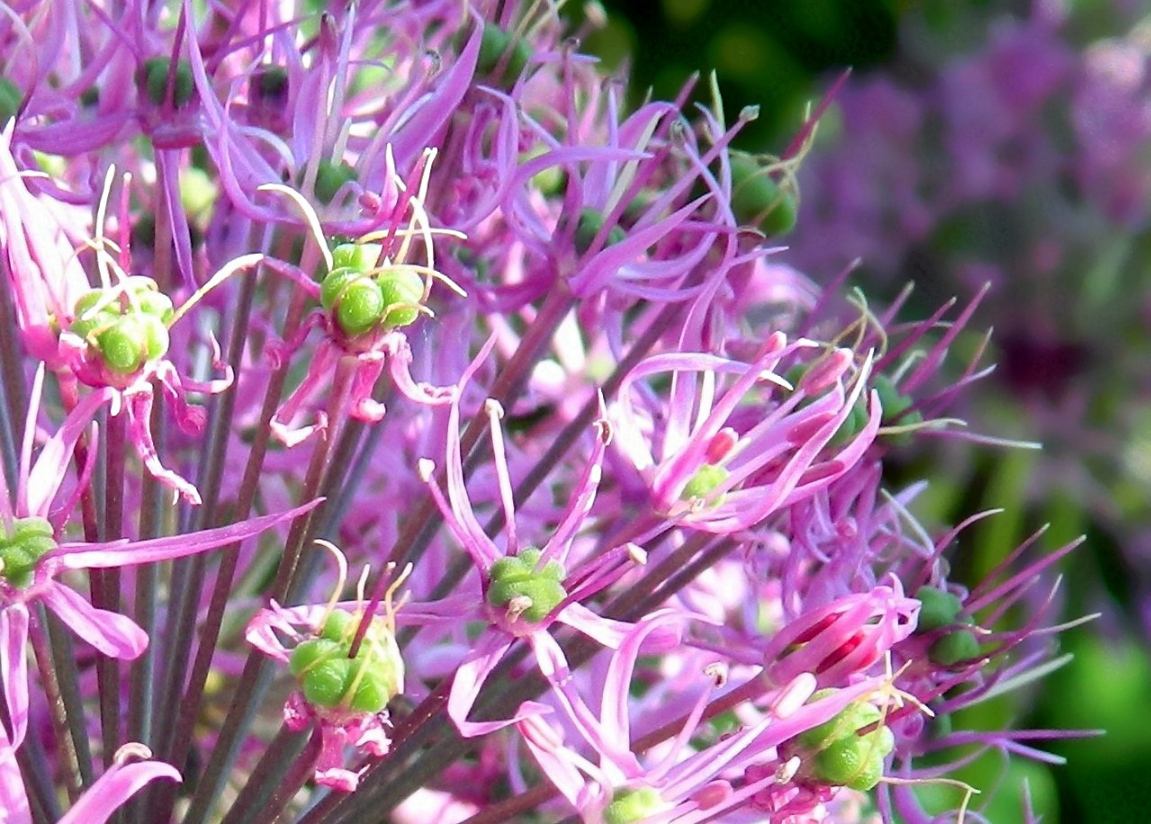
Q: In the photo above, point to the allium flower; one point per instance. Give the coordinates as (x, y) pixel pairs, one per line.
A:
(523, 589)
(720, 457)
(637, 476)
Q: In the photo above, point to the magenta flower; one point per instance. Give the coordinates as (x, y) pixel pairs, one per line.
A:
(341, 724)
(524, 590)
(720, 454)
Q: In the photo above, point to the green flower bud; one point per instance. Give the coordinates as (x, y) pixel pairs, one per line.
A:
(494, 44)
(340, 626)
(590, 222)
(330, 177)
(629, 806)
(358, 256)
(936, 609)
(20, 550)
(10, 99)
(850, 762)
(312, 652)
(706, 478)
(156, 81)
(953, 648)
(520, 577)
(757, 199)
(325, 682)
(360, 307)
(403, 290)
(123, 345)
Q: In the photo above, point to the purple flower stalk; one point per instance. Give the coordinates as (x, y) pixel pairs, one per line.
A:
(609, 479)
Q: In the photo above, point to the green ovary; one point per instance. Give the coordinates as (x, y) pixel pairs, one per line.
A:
(22, 547)
(128, 326)
(329, 679)
(156, 81)
(706, 479)
(629, 806)
(521, 577)
(837, 754)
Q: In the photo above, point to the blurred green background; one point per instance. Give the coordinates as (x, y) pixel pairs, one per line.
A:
(1092, 477)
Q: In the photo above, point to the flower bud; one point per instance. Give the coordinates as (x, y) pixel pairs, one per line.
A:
(10, 99)
(758, 199)
(494, 48)
(155, 81)
(590, 223)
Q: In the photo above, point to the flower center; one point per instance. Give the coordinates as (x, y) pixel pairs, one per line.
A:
(525, 588)
(362, 299)
(126, 324)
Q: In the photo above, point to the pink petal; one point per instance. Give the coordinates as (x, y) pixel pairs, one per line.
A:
(113, 788)
(122, 554)
(14, 668)
(113, 634)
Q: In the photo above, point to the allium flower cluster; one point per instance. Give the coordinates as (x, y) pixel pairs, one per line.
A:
(432, 436)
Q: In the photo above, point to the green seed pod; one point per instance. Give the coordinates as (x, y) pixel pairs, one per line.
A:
(953, 648)
(519, 577)
(494, 44)
(18, 565)
(629, 806)
(330, 177)
(325, 683)
(936, 609)
(340, 626)
(706, 478)
(21, 549)
(852, 425)
(156, 336)
(850, 762)
(360, 307)
(308, 654)
(403, 290)
(123, 345)
(757, 199)
(358, 256)
(372, 692)
(156, 81)
(156, 304)
(334, 284)
(10, 99)
(88, 300)
(590, 222)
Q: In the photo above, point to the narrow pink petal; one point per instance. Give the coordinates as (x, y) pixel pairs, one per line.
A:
(14, 668)
(51, 463)
(488, 651)
(122, 554)
(13, 799)
(113, 634)
(121, 782)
